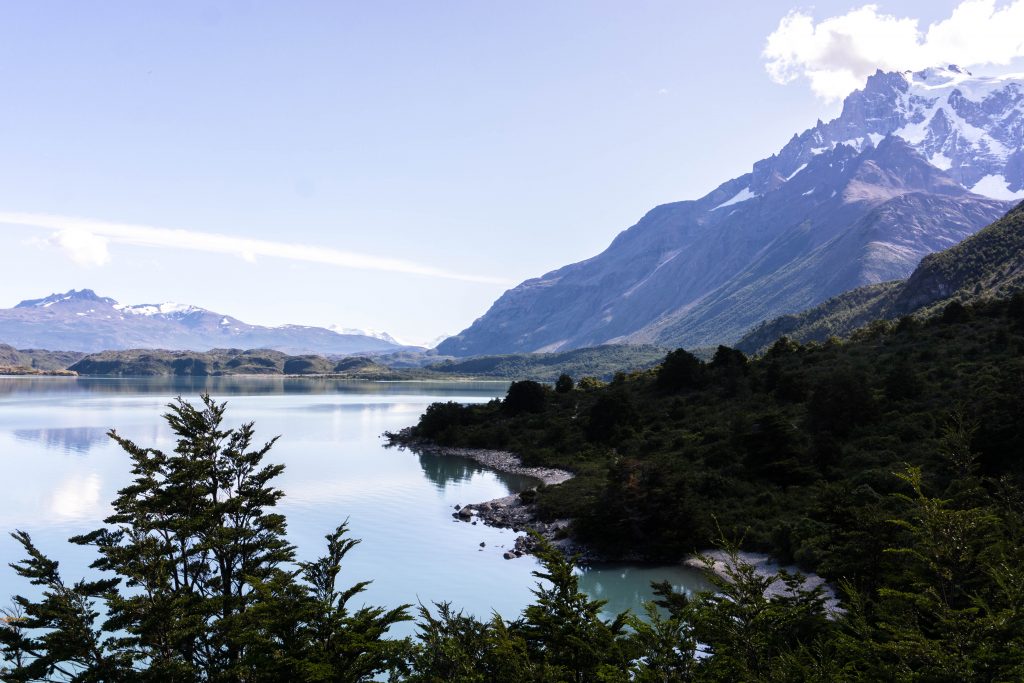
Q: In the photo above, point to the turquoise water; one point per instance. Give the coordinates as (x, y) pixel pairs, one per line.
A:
(60, 471)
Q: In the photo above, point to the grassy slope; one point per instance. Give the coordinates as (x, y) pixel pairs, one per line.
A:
(987, 265)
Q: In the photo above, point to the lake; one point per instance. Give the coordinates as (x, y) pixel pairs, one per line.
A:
(60, 471)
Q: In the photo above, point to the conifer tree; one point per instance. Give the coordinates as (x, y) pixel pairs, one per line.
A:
(200, 582)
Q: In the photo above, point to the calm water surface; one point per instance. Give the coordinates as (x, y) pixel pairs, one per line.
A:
(60, 471)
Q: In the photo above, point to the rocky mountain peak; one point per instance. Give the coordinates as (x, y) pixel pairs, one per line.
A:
(969, 126)
(72, 296)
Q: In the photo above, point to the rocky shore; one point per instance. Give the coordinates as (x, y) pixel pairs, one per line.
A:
(723, 563)
(515, 511)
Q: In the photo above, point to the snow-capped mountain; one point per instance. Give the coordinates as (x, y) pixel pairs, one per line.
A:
(972, 127)
(915, 163)
(80, 320)
(375, 334)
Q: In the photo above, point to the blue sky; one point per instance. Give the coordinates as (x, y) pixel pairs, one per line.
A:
(387, 165)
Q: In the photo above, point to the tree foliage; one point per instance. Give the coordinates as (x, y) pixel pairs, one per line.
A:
(200, 583)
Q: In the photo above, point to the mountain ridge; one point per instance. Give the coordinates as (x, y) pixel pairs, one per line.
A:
(81, 320)
(831, 211)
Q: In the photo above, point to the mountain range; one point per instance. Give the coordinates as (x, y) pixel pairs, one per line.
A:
(81, 320)
(915, 163)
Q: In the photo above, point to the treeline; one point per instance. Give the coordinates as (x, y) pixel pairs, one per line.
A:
(891, 463)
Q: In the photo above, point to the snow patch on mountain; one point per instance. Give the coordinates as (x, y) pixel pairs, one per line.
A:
(375, 334)
(995, 186)
(969, 126)
(794, 173)
(741, 196)
(168, 308)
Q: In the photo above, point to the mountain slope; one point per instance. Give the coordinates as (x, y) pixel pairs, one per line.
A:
(855, 201)
(988, 265)
(80, 320)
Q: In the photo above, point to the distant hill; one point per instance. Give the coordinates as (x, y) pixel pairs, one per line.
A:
(988, 265)
(601, 362)
(81, 320)
(37, 359)
(154, 362)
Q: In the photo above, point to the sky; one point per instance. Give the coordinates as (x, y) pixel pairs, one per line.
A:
(396, 165)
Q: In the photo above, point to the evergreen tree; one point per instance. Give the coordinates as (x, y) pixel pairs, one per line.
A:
(563, 628)
(203, 584)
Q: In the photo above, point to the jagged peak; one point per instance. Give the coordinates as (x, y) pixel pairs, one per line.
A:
(72, 295)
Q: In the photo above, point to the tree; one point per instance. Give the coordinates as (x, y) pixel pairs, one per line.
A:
(564, 384)
(563, 628)
(958, 612)
(954, 312)
(612, 415)
(840, 402)
(753, 634)
(526, 396)
(439, 417)
(681, 370)
(202, 584)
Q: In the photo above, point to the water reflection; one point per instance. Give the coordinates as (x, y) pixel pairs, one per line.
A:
(67, 439)
(629, 586)
(444, 471)
(77, 497)
(247, 385)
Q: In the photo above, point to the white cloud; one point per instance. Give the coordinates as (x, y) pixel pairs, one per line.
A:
(837, 54)
(84, 248)
(86, 241)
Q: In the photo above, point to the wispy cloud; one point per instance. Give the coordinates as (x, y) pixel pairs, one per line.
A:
(838, 53)
(86, 241)
(84, 247)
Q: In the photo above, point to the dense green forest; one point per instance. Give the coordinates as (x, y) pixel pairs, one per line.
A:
(786, 450)
(901, 447)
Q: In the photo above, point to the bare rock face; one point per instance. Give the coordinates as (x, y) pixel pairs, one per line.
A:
(914, 164)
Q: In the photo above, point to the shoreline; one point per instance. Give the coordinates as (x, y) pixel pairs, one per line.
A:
(511, 512)
(507, 512)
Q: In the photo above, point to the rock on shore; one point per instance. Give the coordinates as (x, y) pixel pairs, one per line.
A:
(508, 512)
